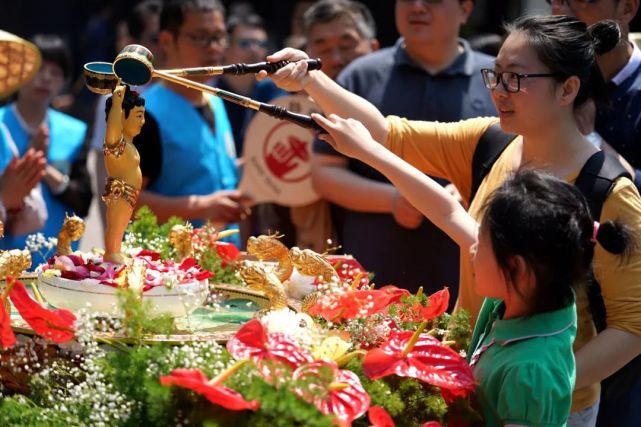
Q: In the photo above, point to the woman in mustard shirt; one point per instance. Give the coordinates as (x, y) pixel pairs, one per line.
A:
(545, 69)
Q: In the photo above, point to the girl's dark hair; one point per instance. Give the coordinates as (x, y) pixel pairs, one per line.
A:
(54, 49)
(547, 222)
(568, 47)
(130, 100)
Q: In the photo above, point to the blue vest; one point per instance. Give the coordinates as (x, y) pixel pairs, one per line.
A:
(66, 137)
(194, 160)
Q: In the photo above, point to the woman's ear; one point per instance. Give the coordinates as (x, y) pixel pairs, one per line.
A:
(568, 90)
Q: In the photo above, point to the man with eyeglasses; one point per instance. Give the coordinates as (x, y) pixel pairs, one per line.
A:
(430, 74)
(194, 173)
(615, 128)
(248, 43)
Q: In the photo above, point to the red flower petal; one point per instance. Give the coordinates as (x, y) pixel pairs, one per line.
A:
(346, 404)
(437, 304)
(252, 341)
(56, 325)
(347, 268)
(7, 338)
(154, 256)
(351, 304)
(195, 380)
(431, 424)
(429, 361)
(228, 252)
(379, 417)
(187, 264)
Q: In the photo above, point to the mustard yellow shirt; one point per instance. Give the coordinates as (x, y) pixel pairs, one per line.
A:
(446, 150)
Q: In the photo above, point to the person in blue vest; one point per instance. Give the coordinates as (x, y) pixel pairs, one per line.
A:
(32, 123)
(188, 160)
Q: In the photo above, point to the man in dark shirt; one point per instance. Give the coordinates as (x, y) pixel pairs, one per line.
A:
(430, 74)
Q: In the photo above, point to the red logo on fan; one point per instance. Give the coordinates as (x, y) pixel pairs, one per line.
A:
(286, 155)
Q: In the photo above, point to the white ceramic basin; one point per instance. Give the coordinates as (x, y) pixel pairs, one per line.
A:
(89, 293)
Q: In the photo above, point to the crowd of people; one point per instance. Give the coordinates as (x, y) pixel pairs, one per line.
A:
(513, 178)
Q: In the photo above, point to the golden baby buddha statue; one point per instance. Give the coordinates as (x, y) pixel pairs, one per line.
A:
(125, 118)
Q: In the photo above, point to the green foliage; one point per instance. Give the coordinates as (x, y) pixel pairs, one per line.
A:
(223, 273)
(408, 401)
(138, 322)
(145, 232)
(459, 331)
(19, 411)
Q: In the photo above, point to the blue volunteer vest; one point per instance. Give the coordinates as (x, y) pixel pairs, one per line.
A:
(66, 137)
(194, 160)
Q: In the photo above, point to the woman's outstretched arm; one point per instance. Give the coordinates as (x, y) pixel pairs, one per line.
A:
(351, 138)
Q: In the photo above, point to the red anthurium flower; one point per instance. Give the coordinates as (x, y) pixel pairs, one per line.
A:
(343, 397)
(351, 304)
(195, 380)
(423, 357)
(431, 424)
(7, 338)
(228, 252)
(56, 325)
(254, 342)
(436, 305)
(348, 269)
(379, 417)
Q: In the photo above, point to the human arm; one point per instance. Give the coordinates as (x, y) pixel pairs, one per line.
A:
(226, 206)
(351, 138)
(329, 95)
(78, 193)
(333, 181)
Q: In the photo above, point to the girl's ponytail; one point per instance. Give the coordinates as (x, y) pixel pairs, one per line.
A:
(615, 237)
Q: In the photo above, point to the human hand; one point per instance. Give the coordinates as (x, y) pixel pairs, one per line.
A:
(585, 115)
(291, 77)
(225, 206)
(40, 140)
(347, 136)
(404, 213)
(19, 178)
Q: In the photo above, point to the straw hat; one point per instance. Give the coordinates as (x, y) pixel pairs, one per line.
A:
(19, 61)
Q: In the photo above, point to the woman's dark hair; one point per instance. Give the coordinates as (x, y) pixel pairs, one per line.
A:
(547, 222)
(568, 47)
(131, 100)
(54, 49)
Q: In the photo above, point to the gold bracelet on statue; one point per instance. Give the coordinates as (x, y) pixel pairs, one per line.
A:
(115, 150)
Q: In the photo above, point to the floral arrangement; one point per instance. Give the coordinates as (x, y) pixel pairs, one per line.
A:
(283, 369)
(355, 355)
(214, 255)
(158, 272)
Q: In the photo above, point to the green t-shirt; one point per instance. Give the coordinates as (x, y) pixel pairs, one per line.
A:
(524, 366)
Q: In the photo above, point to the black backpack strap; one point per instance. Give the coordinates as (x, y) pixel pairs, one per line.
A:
(595, 181)
(597, 178)
(490, 146)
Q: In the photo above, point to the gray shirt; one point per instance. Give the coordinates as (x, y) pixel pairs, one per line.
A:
(395, 84)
